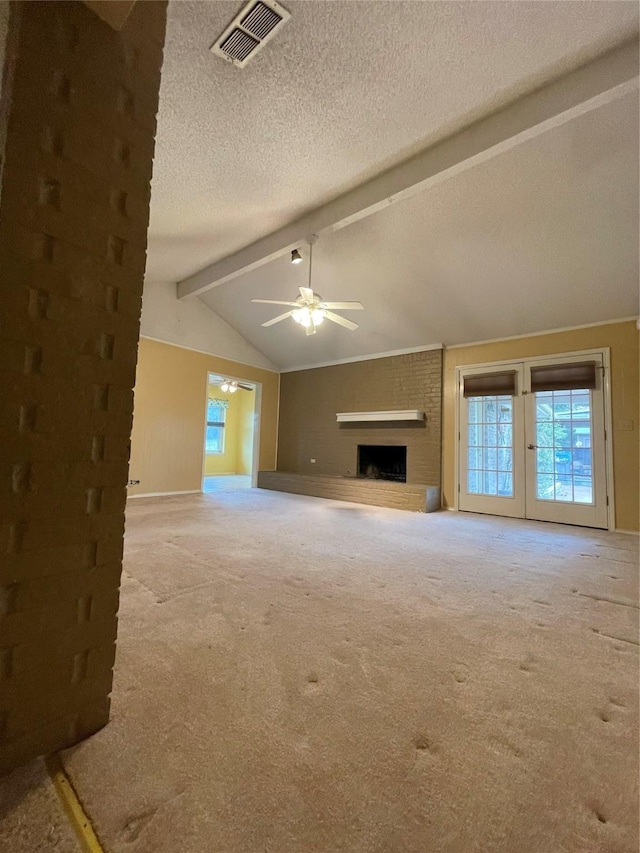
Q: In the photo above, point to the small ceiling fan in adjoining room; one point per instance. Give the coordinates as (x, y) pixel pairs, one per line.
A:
(309, 309)
(231, 386)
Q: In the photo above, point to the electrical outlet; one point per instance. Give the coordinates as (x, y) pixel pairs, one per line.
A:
(313, 461)
(625, 424)
(133, 483)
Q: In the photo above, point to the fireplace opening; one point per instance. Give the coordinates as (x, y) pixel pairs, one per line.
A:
(382, 462)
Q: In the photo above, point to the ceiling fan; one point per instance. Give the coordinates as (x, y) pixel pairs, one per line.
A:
(309, 309)
(231, 386)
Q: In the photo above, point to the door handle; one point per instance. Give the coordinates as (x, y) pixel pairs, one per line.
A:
(531, 446)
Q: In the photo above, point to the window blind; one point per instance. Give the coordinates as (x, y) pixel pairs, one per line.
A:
(564, 377)
(490, 384)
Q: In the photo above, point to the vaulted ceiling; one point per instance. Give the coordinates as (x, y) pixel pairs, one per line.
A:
(541, 236)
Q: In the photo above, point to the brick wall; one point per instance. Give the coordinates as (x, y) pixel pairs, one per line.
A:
(310, 399)
(73, 221)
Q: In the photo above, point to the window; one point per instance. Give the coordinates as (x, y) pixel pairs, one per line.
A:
(216, 418)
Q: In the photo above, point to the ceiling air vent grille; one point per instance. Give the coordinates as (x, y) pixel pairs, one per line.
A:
(250, 31)
(239, 45)
(261, 20)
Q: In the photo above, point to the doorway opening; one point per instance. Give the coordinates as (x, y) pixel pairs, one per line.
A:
(231, 441)
(532, 439)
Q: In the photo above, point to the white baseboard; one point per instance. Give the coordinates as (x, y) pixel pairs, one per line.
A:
(629, 532)
(164, 494)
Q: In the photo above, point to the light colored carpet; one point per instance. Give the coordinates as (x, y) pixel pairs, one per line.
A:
(226, 483)
(32, 819)
(298, 675)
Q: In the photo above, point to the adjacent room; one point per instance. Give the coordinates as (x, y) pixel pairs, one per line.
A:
(375, 437)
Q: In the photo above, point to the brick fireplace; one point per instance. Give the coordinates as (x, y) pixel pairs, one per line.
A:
(323, 455)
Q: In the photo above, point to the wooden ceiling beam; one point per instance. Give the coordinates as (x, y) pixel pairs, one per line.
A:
(599, 82)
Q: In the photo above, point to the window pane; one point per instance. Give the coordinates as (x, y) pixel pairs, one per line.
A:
(504, 414)
(475, 411)
(505, 484)
(561, 404)
(475, 434)
(490, 434)
(504, 459)
(473, 482)
(580, 402)
(504, 435)
(475, 457)
(215, 439)
(490, 483)
(563, 436)
(489, 458)
(216, 412)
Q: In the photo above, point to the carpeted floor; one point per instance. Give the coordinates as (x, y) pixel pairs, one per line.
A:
(297, 675)
(32, 819)
(226, 483)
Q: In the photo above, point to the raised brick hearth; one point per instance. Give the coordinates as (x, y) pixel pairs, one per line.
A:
(409, 496)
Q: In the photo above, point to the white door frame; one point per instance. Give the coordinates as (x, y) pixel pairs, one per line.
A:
(257, 417)
(608, 443)
(255, 460)
(560, 511)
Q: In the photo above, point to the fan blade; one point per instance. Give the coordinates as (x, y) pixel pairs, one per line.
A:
(345, 306)
(306, 293)
(310, 329)
(274, 302)
(341, 321)
(245, 387)
(277, 319)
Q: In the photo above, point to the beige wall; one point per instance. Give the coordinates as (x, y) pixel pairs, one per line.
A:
(169, 415)
(622, 338)
(191, 324)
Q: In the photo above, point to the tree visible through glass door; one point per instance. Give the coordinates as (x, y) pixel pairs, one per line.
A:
(564, 464)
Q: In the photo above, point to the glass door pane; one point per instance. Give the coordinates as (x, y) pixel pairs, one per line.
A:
(564, 462)
(490, 446)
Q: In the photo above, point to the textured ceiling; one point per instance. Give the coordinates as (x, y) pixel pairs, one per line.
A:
(344, 91)
(541, 237)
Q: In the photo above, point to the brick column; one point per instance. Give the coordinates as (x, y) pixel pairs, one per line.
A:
(80, 102)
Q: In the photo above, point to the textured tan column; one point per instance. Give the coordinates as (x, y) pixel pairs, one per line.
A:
(79, 102)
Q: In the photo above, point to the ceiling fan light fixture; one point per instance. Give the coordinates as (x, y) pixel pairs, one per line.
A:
(224, 386)
(302, 316)
(309, 310)
(233, 387)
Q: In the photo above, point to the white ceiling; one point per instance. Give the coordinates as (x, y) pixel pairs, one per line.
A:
(540, 237)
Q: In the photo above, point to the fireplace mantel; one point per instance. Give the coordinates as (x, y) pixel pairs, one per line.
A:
(395, 415)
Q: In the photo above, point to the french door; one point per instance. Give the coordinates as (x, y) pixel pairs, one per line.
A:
(532, 440)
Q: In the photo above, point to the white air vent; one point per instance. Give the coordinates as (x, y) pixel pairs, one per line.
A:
(250, 31)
